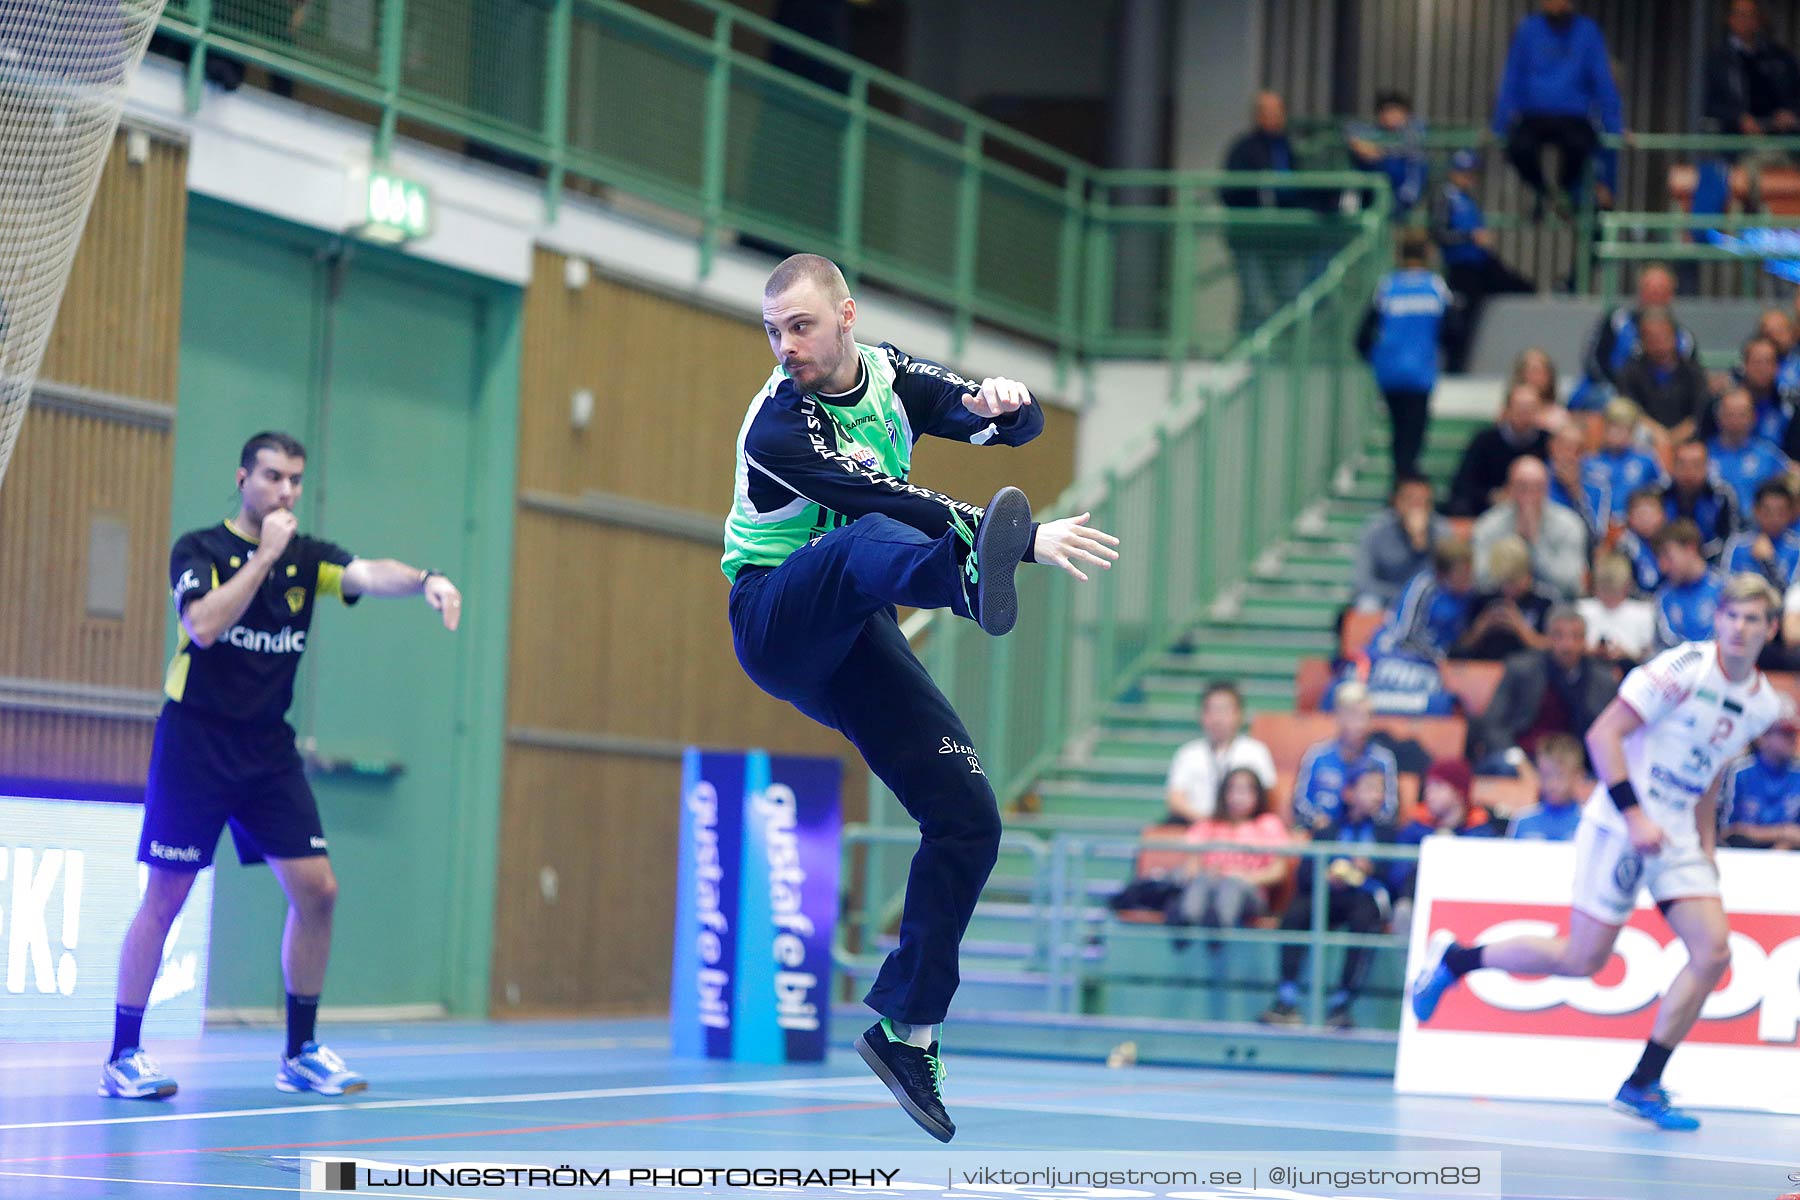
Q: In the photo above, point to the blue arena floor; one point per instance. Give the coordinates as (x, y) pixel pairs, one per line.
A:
(578, 1090)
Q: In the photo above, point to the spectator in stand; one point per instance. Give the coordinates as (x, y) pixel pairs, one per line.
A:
(1556, 538)
(1395, 147)
(1223, 747)
(1433, 610)
(1230, 888)
(1620, 627)
(1772, 548)
(1759, 807)
(1570, 485)
(1447, 809)
(1510, 616)
(1615, 341)
(1620, 467)
(1752, 88)
(1472, 268)
(1535, 367)
(1491, 452)
(1355, 901)
(1645, 517)
(1562, 782)
(1328, 769)
(1693, 493)
(1670, 389)
(1270, 273)
(1560, 688)
(1407, 323)
(1557, 80)
(1777, 324)
(1740, 459)
(1396, 544)
(1690, 592)
(1760, 373)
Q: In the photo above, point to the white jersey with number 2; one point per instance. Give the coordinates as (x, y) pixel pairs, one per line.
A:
(1695, 722)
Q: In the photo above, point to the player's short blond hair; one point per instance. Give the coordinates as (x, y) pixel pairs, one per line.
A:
(1747, 587)
(808, 268)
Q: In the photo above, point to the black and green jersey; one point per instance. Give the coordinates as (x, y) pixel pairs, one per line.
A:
(807, 464)
(248, 673)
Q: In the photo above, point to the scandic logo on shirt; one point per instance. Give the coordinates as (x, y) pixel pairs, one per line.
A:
(1757, 1003)
(288, 641)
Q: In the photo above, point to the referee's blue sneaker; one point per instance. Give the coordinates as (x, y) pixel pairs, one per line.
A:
(318, 1069)
(1429, 986)
(134, 1075)
(996, 551)
(915, 1076)
(1652, 1104)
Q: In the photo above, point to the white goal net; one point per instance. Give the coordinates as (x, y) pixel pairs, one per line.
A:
(64, 69)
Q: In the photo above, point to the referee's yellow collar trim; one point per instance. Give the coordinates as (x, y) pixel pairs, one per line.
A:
(232, 525)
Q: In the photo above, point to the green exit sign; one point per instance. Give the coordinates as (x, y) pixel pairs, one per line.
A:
(389, 208)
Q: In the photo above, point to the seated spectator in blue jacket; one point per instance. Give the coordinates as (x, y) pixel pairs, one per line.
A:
(1433, 610)
(1471, 267)
(1406, 323)
(1693, 493)
(1396, 545)
(1645, 517)
(1616, 341)
(1620, 466)
(1328, 768)
(1759, 806)
(1690, 592)
(1777, 325)
(1741, 460)
(1760, 375)
(1558, 79)
(1395, 147)
(1770, 548)
(1572, 487)
(1562, 786)
(1356, 900)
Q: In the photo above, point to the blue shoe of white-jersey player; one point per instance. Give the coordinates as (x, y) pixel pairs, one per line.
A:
(1652, 1104)
(1429, 986)
(318, 1069)
(134, 1075)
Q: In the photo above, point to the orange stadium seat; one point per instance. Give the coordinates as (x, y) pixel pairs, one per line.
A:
(1289, 735)
(1311, 679)
(1359, 628)
(1472, 683)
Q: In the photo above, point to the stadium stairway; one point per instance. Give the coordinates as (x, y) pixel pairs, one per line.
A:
(1109, 783)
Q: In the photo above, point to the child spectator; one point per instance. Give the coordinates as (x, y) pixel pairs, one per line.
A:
(1328, 768)
(1760, 803)
(1230, 888)
(1772, 548)
(1690, 592)
(1562, 783)
(1620, 467)
(1620, 628)
(1645, 517)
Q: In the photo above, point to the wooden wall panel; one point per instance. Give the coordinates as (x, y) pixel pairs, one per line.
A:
(68, 469)
(623, 633)
(88, 749)
(119, 327)
(118, 332)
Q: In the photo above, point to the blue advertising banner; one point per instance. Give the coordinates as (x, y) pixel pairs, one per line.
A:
(756, 908)
(70, 883)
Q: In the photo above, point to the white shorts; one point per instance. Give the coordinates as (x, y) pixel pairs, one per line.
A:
(1608, 873)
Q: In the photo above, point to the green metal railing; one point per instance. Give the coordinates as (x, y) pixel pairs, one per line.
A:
(901, 186)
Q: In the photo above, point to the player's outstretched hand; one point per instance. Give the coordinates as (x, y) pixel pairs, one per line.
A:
(442, 595)
(1646, 835)
(997, 397)
(278, 530)
(1069, 541)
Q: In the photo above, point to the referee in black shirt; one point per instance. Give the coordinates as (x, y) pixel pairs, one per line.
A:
(245, 591)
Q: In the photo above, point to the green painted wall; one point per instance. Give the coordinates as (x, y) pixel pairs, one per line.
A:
(402, 379)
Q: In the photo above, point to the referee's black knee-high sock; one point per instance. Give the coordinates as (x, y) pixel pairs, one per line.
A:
(1650, 1067)
(302, 1017)
(128, 1030)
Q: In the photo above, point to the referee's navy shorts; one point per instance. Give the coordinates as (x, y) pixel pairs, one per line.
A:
(208, 772)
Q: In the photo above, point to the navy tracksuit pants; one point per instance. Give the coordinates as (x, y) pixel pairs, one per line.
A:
(819, 631)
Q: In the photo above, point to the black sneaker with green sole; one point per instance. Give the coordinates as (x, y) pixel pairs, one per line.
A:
(915, 1076)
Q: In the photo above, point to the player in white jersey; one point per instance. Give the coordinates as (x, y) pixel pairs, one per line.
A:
(1661, 748)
